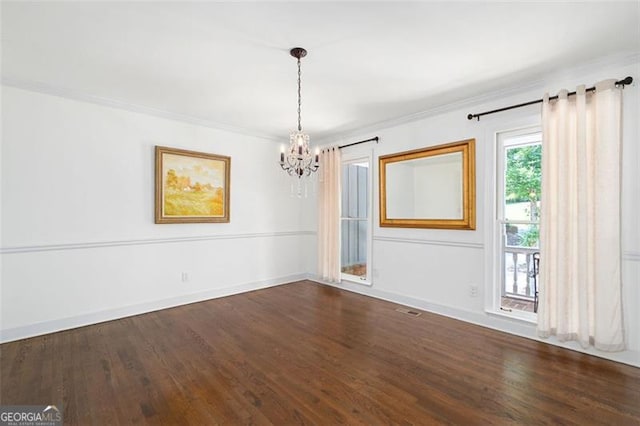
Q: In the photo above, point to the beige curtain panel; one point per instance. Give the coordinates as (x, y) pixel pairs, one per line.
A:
(329, 215)
(580, 292)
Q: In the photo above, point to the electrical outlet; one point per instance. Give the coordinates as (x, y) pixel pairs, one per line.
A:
(185, 277)
(473, 290)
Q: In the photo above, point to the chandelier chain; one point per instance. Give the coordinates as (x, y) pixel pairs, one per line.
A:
(299, 96)
(297, 160)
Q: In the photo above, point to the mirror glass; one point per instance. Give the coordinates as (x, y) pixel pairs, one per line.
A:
(440, 176)
(429, 188)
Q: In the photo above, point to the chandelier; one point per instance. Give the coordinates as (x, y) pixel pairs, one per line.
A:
(298, 161)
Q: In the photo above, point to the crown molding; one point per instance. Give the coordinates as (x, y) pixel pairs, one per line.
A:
(431, 112)
(76, 95)
(619, 60)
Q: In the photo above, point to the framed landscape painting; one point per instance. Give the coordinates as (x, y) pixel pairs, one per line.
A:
(191, 186)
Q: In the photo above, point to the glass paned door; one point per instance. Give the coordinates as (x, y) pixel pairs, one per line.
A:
(355, 221)
(519, 190)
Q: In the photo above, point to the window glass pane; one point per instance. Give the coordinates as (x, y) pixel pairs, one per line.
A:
(520, 279)
(520, 173)
(344, 196)
(522, 235)
(355, 223)
(355, 190)
(352, 187)
(363, 185)
(354, 247)
(520, 272)
(522, 182)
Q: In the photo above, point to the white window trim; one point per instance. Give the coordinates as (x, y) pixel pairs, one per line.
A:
(351, 159)
(494, 218)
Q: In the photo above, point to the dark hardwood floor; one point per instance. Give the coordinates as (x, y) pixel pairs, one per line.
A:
(304, 353)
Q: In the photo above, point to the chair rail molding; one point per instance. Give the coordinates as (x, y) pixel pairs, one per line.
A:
(429, 242)
(146, 241)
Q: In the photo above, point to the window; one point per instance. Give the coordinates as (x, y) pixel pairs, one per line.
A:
(517, 222)
(355, 232)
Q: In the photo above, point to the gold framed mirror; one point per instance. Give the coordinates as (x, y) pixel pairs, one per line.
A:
(430, 187)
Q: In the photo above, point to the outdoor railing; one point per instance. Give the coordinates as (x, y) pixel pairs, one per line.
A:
(519, 273)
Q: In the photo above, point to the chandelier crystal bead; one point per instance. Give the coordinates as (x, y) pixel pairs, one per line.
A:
(298, 160)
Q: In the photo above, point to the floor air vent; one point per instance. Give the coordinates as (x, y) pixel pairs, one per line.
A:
(408, 312)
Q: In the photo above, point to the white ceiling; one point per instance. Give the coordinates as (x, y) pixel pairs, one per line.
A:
(228, 64)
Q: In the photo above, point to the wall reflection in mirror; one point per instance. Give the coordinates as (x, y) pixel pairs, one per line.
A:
(429, 188)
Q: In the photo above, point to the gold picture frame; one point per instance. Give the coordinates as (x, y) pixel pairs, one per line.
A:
(191, 187)
(433, 187)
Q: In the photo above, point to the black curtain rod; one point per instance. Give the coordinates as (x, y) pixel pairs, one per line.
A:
(358, 143)
(622, 83)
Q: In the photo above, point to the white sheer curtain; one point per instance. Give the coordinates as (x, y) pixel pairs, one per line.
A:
(580, 291)
(329, 215)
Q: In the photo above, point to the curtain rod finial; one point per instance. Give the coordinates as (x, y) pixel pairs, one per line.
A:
(625, 81)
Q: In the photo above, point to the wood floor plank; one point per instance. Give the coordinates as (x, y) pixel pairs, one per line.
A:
(304, 353)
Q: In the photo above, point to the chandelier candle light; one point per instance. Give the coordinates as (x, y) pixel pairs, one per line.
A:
(298, 161)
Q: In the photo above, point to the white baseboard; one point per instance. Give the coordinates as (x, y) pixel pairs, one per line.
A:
(37, 329)
(507, 325)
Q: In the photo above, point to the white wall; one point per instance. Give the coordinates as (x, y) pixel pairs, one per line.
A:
(79, 243)
(433, 269)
